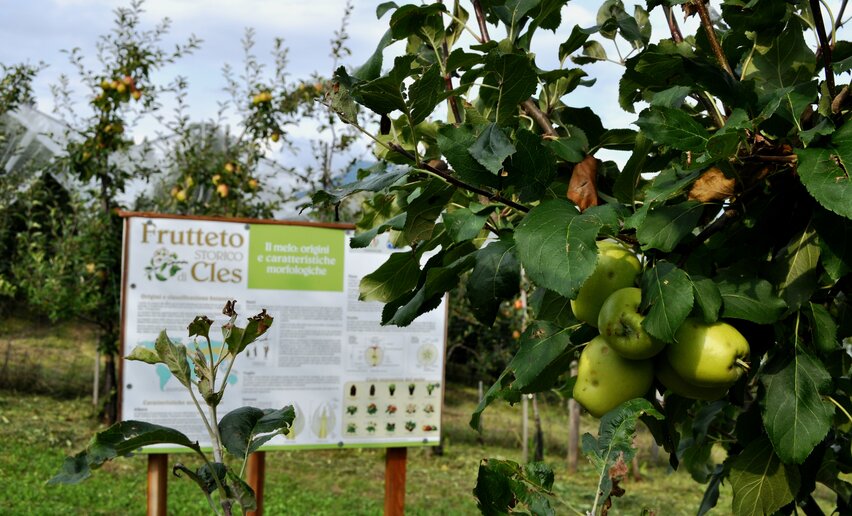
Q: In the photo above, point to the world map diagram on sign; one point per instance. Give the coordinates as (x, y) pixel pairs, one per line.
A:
(164, 375)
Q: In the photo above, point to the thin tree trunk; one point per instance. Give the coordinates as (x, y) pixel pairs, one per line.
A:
(525, 429)
(573, 428)
(538, 455)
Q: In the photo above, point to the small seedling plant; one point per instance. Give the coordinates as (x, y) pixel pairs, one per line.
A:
(239, 432)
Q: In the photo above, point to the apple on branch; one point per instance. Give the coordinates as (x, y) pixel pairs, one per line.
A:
(620, 323)
(617, 268)
(605, 380)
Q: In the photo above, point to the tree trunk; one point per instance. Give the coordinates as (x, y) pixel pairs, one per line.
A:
(538, 454)
(110, 390)
(573, 429)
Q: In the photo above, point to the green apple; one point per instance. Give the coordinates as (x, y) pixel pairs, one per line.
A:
(708, 355)
(617, 268)
(605, 380)
(673, 382)
(620, 324)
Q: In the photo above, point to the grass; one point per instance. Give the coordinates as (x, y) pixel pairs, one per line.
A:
(37, 431)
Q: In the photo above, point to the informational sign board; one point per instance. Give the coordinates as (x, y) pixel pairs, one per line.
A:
(351, 381)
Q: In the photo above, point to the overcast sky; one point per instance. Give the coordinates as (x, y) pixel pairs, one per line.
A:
(37, 30)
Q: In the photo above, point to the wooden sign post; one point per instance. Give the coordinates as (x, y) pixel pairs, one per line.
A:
(255, 477)
(158, 476)
(395, 481)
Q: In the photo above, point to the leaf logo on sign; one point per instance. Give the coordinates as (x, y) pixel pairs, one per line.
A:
(164, 265)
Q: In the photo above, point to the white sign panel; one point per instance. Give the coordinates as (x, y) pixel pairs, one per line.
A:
(352, 381)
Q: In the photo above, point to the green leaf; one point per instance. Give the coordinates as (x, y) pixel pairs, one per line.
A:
(372, 68)
(464, 224)
(546, 351)
(674, 128)
(495, 277)
(381, 177)
(761, 483)
(575, 41)
(243, 492)
(510, 79)
(144, 354)
(200, 326)
(238, 338)
(798, 262)
(549, 306)
(174, 356)
(503, 486)
(782, 61)
(241, 427)
(664, 227)
(384, 95)
(423, 209)
(411, 20)
(556, 245)
(592, 53)
(425, 93)
(823, 328)
(440, 274)
(615, 440)
(364, 239)
(825, 172)
(795, 415)
(707, 298)
(392, 279)
(667, 290)
(752, 299)
(627, 181)
(835, 241)
(572, 148)
(532, 168)
(491, 148)
(454, 143)
(119, 440)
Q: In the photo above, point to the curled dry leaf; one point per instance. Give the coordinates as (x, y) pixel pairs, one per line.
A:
(582, 189)
(712, 186)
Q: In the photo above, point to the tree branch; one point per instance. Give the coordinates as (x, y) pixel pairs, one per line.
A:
(480, 19)
(448, 81)
(543, 121)
(839, 22)
(705, 100)
(529, 106)
(677, 37)
(446, 176)
(707, 23)
(825, 47)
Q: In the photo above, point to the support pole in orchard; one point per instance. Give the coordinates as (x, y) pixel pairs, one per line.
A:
(158, 476)
(395, 461)
(573, 428)
(255, 478)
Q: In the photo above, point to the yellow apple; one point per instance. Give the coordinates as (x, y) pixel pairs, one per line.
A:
(617, 268)
(673, 382)
(620, 323)
(605, 380)
(708, 355)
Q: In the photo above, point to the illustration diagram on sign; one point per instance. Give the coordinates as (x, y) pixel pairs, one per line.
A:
(374, 355)
(427, 355)
(298, 423)
(322, 421)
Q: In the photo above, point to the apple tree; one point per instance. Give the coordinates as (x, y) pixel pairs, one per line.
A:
(73, 267)
(735, 196)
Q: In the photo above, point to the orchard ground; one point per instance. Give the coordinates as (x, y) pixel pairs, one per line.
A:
(39, 429)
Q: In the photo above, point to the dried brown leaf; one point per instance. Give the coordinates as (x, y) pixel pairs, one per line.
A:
(582, 188)
(712, 186)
